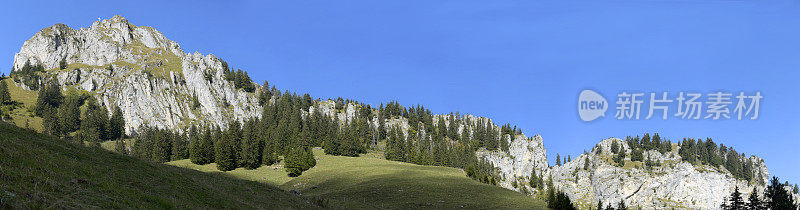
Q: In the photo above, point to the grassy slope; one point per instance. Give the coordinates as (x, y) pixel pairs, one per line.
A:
(371, 182)
(38, 171)
(21, 115)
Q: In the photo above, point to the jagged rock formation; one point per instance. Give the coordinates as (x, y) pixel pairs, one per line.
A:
(523, 157)
(674, 184)
(138, 69)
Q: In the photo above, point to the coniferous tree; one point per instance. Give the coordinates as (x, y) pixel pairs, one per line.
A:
(93, 124)
(62, 64)
(621, 205)
(776, 196)
(586, 163)
(116, 125)
(754, 203)
(180, 147)
(298, 159)
(735, 201)
(194, 144)
(599, 204)
(559, 200)
(637, 155)
(69, 113)
(252, 148)
(49, 97)
(558, 159)
(225, 151)
(614, 147)
(620, 158)
(5, 95)
(206, 149)
(265, 94)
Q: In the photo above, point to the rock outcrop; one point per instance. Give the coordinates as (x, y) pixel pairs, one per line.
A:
(138, 69)
(673, 184)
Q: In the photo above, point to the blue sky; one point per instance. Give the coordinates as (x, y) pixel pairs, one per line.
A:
(518, 62)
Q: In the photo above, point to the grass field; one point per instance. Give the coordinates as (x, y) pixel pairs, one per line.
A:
(370, 182)
(38, 171)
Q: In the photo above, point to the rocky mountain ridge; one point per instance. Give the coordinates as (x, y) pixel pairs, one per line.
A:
(138, 69)
(155, 83)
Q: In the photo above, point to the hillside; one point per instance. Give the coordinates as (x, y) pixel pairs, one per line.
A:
(372, 182)
(38, 171)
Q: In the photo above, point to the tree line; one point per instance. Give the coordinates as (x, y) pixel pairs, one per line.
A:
(709, 153)
(239, 78)
(441, 143)
(62, 116)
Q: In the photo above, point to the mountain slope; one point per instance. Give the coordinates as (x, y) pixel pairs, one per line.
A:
(39, 171)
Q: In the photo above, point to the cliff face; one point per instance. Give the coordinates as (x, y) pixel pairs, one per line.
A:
(156, 84)
(674, 184)
(138, 69)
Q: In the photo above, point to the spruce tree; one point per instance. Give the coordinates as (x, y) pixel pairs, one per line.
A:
(614, 146)
(735, 201)
(225, 156)
(754, 202)
(251, 146)
(586, 163)
(50, 122)
(116, 125)
(62, 64)
(49, 98)
(558, 159)
(180, 147)
(776, 196)
(293, 161)
(207, 148)
(599, 204)
(621, 205)
(5, 95)
(69, 113)
(265, 94)
(620, 158)
(94, 122)
(194, 145)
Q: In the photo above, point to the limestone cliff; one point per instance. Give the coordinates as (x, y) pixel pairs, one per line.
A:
(138, 69)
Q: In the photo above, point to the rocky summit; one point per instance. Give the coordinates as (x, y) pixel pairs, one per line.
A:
(157, 84)
(138, 69)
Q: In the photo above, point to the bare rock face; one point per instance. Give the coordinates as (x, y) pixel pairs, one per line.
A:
(138, 69)
(594, 177)
(523, 157)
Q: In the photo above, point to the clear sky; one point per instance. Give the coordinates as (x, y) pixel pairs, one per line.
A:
(518, 62)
